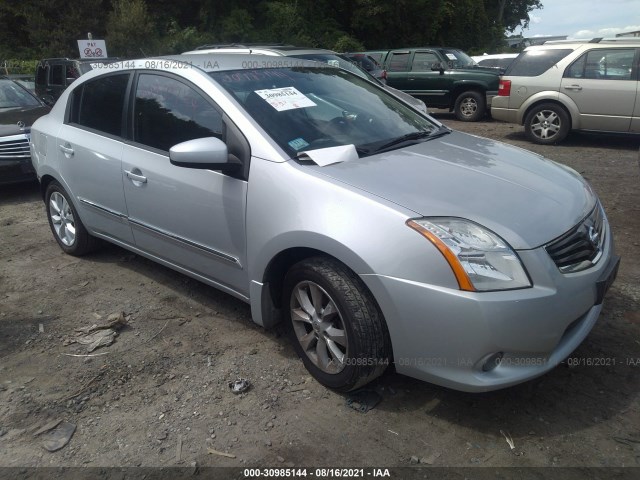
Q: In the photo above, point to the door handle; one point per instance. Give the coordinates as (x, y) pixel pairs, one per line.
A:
(572, 87)
(135, 177)
(67, 150)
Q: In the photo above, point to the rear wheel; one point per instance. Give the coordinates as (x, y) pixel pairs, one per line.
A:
(470, 106)
(65, 223)
(547, 124)
(337, 328)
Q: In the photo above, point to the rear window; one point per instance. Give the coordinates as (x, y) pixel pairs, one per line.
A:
(535, 62)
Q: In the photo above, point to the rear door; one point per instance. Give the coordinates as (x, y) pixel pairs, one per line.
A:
(398, 65)
(90, 147)
(603, 84)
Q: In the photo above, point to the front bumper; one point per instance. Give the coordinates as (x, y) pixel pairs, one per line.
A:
(15, 159)
(446, 336)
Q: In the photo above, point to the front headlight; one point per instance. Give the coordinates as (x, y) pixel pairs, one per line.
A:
(479, 258)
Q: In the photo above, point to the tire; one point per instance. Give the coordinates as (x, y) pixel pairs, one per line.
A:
(66, 226)
(547, 124)
(347, 345)
(470, 106)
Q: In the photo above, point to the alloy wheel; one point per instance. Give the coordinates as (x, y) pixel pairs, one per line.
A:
(319, 327)
(62, 218)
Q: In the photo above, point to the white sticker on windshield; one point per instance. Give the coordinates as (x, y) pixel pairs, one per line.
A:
(451, 56)
(331, 155)
(334, 63)
(286, 98)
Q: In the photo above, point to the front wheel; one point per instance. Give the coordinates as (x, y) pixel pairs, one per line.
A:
(546, 124)
(470, 106)
(65, 223)
(337, 328)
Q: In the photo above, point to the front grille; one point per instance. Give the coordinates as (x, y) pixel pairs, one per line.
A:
(581, 247)
(14, 147)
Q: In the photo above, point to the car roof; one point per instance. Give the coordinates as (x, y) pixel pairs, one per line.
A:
(284, 50)
(596, 42)
(494, 56)
(215, 62)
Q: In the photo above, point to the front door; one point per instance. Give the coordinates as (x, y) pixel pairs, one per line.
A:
(190, 218)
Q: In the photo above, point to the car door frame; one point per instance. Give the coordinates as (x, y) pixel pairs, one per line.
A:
(232, 274)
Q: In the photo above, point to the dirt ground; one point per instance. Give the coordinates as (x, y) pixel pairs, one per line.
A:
(159, 395)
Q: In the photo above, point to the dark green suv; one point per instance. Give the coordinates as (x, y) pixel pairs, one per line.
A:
(441, 77)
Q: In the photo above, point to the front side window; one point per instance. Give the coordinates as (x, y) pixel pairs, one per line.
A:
(603, 64)
(423, 61)
(535, 62)
(99, 103)
(168, 112)
(457, 59)
(305, 108)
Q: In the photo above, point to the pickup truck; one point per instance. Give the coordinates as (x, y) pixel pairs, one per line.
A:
(442, 78)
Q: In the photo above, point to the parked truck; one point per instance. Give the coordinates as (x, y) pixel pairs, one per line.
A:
(442, 77)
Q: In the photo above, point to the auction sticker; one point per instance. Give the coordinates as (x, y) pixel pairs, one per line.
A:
(286, 98)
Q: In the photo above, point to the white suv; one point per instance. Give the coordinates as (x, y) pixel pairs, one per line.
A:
(562, 86)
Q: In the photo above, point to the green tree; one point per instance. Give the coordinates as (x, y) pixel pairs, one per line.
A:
(51, 28)
(131, 30)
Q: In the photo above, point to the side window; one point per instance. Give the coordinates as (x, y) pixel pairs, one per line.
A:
(168, 112)
(576, 69)
(41, 74)
(57, 75)
(399, 62)
(99, 103)
(613, 64)
(423, 61)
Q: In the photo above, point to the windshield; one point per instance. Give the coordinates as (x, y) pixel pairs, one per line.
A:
(458, 59)
(335, 61)
(13, 95)
(304, 108)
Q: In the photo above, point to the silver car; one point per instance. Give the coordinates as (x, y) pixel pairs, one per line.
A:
(562, 86)
(377, 234)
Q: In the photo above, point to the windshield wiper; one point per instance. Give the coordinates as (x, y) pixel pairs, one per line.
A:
(413, 136)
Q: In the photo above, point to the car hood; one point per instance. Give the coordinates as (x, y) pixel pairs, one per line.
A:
(526, 199)
(9, 118)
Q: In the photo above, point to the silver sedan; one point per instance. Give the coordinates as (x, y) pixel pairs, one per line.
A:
(378, 235)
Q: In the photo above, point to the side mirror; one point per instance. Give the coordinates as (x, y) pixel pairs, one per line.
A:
(48, 100)
(207, 153)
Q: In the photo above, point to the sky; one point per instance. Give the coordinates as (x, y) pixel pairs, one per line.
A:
(583, 18)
